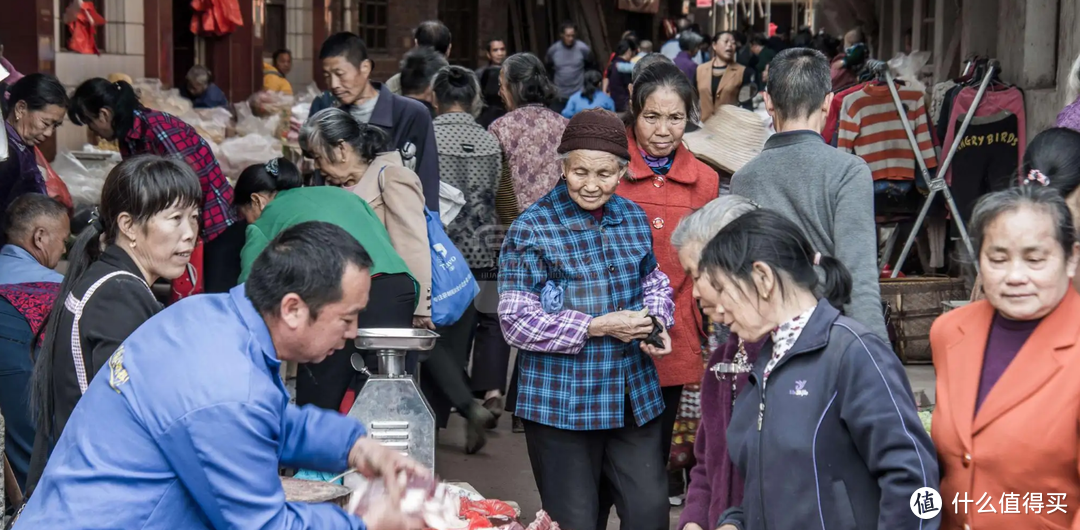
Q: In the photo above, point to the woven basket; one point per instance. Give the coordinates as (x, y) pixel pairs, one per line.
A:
(912, 305)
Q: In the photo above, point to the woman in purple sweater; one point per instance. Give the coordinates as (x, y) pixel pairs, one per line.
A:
(715, 484)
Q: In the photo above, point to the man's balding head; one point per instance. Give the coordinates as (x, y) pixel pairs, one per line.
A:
(39, 225)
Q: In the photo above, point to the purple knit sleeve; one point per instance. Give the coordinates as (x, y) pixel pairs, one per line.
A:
(658, 297)
(526, 325)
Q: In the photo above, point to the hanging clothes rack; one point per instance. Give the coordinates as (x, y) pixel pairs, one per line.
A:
(938, 184)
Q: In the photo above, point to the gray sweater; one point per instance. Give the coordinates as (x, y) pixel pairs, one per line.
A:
(830, 195)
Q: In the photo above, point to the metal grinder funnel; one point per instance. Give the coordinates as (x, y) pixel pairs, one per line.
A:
(390, 405)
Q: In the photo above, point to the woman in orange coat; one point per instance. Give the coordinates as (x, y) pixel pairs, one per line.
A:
(669, 183)
(1008, 373)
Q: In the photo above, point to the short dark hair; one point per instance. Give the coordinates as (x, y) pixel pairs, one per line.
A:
(689, 41)
(309, 259)
(799, 80)
(759, 39)
(487, 45)
(767, 237)
(96, 94)
(625, 45)
(434, 34)
(276, 175)
(279, 53)
(347, 45)
(37, 91)
(565, 26)
(418, 69)
(26, 209)
(659, 75)
(528, 80)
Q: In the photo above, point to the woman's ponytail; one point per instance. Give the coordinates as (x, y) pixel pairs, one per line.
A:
(837, 286)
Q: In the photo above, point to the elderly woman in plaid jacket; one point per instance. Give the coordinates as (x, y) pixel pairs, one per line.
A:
(582, 298)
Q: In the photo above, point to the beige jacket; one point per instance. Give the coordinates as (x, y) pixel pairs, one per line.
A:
(398, 200)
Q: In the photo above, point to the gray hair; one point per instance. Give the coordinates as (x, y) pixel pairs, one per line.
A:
(657, 76)
(702, 224)
(994, 205)
(690, 41)
(199, 74)
(648, 60)
(329, 128)
(25, 211)
(799, 80)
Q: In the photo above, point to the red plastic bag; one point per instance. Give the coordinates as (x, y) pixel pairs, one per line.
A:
(53, 184)
(191, 282)
(84, 29)
(215, 17)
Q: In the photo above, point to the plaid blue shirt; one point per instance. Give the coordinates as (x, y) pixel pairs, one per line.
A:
(567, 380)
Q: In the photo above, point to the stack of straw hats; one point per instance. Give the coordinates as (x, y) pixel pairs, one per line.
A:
(729, 139)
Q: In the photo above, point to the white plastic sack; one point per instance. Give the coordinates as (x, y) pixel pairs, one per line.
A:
(84, 181)
(211, 124)
(247, 123)
(451, 200)
(908, 68)
(239, 153)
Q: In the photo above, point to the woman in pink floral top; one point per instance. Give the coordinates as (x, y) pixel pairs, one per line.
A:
(529, 135)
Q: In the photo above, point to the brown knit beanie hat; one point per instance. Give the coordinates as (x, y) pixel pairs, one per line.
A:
(595, 130)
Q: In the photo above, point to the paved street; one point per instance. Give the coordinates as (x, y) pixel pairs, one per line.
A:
(502, 469)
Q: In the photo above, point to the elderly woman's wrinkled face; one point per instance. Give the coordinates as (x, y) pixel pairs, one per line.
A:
(704, 292)
(347, 82)
(337, 165)
(660, 126)
(591, 177)
(36, 126)
(1025, 271)
(504, 91)
(162, 245)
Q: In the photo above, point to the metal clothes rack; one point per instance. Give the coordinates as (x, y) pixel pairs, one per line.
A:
(937, 183)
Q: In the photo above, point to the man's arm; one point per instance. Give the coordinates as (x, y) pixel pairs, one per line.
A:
(226, 457)
(855, 242)
(318, 439)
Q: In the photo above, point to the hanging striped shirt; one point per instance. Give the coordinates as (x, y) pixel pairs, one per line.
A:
(870, 127)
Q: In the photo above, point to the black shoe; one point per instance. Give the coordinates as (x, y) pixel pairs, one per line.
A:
(477, 418)
(518, 426)
(495, 407)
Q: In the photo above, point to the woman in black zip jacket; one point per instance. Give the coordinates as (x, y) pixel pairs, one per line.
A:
(826, 433)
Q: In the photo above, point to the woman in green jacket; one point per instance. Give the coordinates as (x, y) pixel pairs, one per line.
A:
(271, 199)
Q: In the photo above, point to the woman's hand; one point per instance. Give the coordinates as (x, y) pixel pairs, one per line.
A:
(691, 526)
(655, 352)
(728, 527)
(623, 325)
(420, 322)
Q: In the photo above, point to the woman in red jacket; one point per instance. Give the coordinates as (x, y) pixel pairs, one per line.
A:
(669, 183)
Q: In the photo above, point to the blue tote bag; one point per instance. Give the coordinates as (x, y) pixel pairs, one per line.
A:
(453, 286)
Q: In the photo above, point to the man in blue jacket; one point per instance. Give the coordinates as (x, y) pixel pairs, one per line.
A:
(347, 71)
(187, 424)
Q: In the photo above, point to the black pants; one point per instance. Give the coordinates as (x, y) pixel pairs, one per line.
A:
(390, 305)
(445, 379)
(221, 259)
(512, 389)
(570, 467)
(672, 396)
(490, 352)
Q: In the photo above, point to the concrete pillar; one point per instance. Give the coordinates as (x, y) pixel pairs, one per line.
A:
(979, 28)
